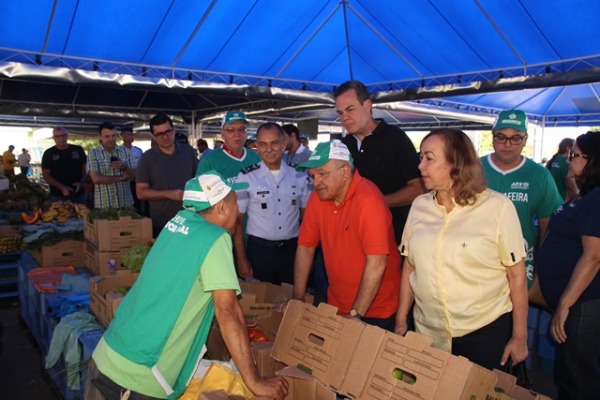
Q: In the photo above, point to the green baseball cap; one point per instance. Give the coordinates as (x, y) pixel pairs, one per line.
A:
(326, 151)
(206, 190)
(231, 116)
(515, 119)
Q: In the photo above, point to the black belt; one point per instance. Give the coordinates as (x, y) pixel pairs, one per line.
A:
(272, 243)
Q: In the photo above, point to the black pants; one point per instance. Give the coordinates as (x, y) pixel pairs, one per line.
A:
(272, 261)
(387, 324)
(486, 345)
(577, 365)
(100, 387)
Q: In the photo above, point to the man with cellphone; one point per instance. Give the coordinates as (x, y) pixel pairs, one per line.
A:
(63, 168)
(111, 168)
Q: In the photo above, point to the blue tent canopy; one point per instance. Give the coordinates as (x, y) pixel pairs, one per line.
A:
(196, 58)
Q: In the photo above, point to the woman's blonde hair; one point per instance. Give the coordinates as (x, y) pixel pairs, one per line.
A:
(467, 172)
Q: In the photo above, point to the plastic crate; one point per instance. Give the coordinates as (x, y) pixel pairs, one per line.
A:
(544, 322)
(532, 345)
(88, 341)
(533, 317)
(546, 347)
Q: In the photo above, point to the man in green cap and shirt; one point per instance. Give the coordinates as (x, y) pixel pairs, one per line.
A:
(526, 183)
(232, 157)
(152, 347)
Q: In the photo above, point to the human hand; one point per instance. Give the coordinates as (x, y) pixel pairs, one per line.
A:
(274, 387)
(557, 325)
(401, 326)
(516, 349)
(176, 195)
(128, 175)
(66, 191)
(245, 268)
(115, 163)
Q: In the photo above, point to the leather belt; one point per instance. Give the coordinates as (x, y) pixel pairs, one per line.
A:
(272, 243)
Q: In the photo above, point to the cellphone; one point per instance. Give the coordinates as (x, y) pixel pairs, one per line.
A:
(114, 158)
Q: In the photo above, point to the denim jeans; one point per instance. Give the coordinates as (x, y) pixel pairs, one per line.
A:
(577, 364)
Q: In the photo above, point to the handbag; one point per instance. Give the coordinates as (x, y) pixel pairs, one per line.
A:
(520, 372)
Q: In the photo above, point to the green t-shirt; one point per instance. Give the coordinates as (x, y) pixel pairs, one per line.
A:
(533, 192)
(228, 166)
(559, 169)
(160, 319)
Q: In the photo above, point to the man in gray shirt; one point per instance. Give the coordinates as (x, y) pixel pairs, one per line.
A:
(163, 171)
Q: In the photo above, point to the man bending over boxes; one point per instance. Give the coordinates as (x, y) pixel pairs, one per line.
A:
(154, 343)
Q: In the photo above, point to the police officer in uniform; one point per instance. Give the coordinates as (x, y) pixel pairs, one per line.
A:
(274, 204)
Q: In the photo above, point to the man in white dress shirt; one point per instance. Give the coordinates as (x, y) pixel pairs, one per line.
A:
(274, 203)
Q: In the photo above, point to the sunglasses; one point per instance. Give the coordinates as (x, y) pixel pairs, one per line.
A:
(573, 155)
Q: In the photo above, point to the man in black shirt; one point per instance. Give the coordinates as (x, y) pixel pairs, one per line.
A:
(63, 168)
(382, 153)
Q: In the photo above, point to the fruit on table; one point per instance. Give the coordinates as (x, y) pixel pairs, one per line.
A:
(31, 219)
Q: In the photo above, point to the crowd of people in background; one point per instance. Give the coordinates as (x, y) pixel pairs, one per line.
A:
(436, 239)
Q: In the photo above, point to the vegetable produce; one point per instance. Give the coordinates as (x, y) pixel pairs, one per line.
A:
(122, 290)
(256, 335)
(112, 214)
(134, 258)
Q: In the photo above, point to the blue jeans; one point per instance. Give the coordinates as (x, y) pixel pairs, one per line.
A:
(577, 364)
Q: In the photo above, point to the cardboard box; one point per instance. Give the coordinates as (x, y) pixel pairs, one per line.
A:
(318, 341)
(103, 306)
(108, 235)
(303, 386)
(365, 362)
(13, 230)
(389, 366)
(508, 384)
(259, 298)
(261, 351)
(61, 254)
(97, 261)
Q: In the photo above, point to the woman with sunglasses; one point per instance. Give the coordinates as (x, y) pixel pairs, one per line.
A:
(568, 263)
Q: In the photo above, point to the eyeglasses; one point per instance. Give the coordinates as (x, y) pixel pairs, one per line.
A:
(517, 139)
(64, 135)
(168, 132)
(240, 130)
(321, 175)
(573, 155)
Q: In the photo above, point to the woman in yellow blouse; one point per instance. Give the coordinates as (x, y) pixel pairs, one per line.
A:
(463, 267)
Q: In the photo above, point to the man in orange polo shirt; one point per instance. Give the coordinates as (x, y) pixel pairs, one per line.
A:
(347, 214)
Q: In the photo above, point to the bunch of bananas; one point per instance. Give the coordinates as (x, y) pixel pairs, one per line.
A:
(60, 211)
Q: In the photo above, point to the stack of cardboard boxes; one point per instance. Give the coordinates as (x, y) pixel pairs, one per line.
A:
(364, 362)
(105, 244)
(64, 253)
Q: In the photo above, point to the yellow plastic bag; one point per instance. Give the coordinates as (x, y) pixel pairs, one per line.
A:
(221, 377)
(192, 392)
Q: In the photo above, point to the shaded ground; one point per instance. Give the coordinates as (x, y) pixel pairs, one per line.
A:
(20, 361)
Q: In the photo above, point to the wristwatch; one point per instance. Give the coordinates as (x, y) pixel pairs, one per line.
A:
(123, 168)
(355, 314)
